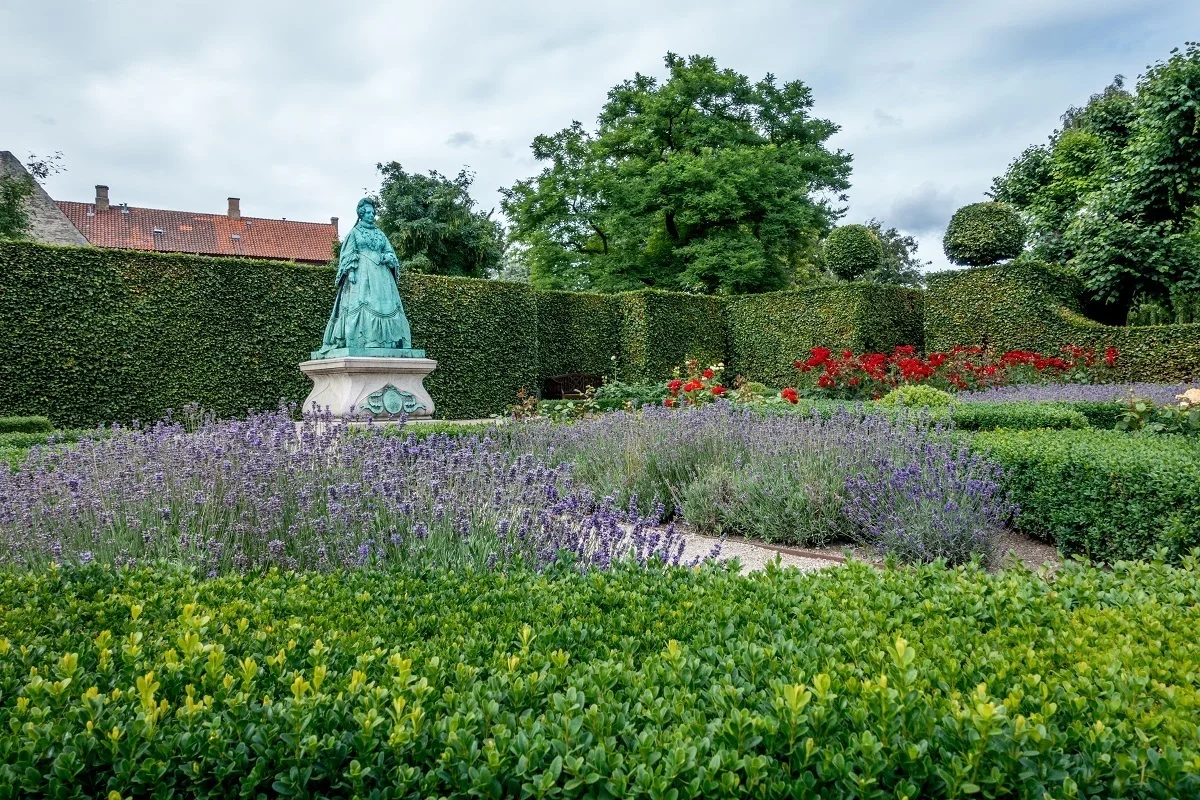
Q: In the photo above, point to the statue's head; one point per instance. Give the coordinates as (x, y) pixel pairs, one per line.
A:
(366, 210)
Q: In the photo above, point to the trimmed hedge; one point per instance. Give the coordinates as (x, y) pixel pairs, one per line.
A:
(578, 332)
(984, 233)
(1108, 495)
(661, 330)
(484, 335)
(767, 332)
(985, 416)
(1031, 306)
(92, 335)
(25, 425)
(850, 682)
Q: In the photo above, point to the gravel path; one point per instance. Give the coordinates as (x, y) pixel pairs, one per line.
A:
(753, 557)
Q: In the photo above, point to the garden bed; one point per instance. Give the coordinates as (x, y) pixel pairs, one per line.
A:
(854, 681)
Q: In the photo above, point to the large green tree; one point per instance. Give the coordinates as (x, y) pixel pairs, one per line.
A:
(702, 182)
(1116, 191)
(432, 222)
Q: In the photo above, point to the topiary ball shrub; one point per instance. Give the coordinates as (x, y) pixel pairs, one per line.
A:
(984, 233)
(917, 396)
(851, 251)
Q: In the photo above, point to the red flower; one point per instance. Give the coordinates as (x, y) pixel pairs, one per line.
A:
(708, 373)
(692, 385)
(673, 386)
(853, 381)
(847, 355)
(790, 395)
(1110, 356)
(825, 381)
(718, 390)
(669, 402)
(905, 349)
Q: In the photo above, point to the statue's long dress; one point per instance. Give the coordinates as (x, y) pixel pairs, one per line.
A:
(367, 312)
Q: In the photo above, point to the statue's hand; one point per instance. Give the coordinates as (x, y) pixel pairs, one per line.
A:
(352, 275)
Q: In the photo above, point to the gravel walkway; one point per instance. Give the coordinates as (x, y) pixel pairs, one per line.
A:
(753, 557)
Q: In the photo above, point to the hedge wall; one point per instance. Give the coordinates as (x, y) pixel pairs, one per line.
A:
(660, 330)
(484, 335)
(1032, 306)
(93, 335)
(767, 332)
(578, 332)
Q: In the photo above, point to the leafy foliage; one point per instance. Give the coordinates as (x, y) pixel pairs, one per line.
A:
(655, 682)
(14, 215)
(1031, 306)
(432, 222)
(1105, 494)
(1050, 183)
(25, 425)
(900, 266)
(1116, 192)
(852, 251)
(984, 233)
(704, 182)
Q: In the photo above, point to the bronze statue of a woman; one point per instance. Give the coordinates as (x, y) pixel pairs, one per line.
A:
(367, 314)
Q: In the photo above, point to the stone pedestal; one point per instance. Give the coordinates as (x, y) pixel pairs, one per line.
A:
(356, 388)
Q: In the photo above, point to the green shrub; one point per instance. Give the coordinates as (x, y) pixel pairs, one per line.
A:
(851, 251)
(1015, 416)
(1099, 415)
(25, 425)
(850, 682)
(984, 233)
(11, 456)
(1104, 494)
(768, 332)
(917, 396)
(1033, 306)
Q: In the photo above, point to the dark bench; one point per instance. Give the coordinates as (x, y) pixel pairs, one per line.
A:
(571, 386)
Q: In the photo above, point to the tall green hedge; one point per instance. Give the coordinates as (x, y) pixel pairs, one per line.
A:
(578, 332)
(1033, 306)
(660, 330)
(484, 335)
(767, 332)
(92, 335)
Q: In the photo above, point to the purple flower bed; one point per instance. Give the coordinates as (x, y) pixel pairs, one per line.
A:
(1159, 393)
(897, 483)
(246, 495)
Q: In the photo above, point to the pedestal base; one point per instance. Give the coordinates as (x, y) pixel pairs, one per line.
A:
(359, 388)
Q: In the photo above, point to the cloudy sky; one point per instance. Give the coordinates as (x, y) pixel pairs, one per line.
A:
(289, 105)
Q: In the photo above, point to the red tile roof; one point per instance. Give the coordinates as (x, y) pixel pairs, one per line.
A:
(206, 234)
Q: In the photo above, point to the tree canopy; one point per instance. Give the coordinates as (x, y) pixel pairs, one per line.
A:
(432, 222)
(703, 182)
(1116, 191)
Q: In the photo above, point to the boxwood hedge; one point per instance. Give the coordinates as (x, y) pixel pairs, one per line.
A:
(1032, 306)
(1104, 494)
(850, 682)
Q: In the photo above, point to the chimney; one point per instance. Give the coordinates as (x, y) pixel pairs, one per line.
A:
(333, 222)
(235, 208)
(101, 198)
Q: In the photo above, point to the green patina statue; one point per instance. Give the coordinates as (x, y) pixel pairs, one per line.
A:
(368, 317)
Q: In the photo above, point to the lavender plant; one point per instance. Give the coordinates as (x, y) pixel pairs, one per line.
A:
(889, 481)
(266, 491)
